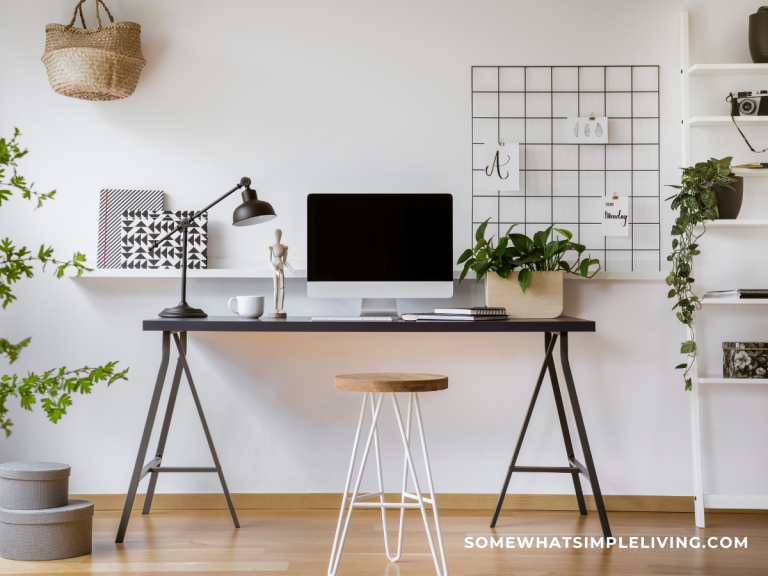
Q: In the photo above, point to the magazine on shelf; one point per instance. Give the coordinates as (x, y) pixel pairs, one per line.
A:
(741, 293)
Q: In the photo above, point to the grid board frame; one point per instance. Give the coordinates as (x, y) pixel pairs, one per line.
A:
(510, 102)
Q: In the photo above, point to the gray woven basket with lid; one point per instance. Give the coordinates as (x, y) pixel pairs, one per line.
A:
(33, 485)
(51, 534)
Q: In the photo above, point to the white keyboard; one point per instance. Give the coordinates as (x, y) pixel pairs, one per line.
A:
(353, 318)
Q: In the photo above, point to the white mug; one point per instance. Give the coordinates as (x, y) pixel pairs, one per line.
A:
(250, 307)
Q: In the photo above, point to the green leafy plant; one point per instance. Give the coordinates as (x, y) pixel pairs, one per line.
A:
(697, 202)
(53, 387)
(528, 255)
(762, 9)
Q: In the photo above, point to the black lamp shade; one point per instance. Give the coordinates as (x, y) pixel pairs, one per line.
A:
(252, 210)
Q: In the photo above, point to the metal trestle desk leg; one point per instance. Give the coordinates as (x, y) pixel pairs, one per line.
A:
(153, 467)
(575, 468)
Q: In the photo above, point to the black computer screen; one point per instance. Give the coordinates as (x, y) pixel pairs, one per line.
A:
(380, 237)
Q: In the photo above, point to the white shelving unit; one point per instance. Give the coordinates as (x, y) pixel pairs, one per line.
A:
(726, 121)
(727, 69)
(751, 173)
(746, 223)
(734, 301)
(687, 71)
(710, 379)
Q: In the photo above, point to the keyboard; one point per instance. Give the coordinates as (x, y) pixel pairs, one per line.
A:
(353, 318)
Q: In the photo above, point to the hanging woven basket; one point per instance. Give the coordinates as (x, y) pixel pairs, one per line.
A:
(102, 63)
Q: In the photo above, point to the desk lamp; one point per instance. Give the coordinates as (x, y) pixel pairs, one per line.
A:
(251, 211)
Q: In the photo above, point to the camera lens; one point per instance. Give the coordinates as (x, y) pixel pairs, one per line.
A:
(747, 106)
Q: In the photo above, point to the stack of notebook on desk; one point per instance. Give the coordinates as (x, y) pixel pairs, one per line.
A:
(741, 293)
(469, 314)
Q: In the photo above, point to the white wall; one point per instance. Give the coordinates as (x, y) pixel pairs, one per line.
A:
(357, 97)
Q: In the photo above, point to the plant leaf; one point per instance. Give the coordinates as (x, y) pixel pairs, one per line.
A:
(480, 234)
(523, 277)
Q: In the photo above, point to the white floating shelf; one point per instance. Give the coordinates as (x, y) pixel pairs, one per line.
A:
(174, 273)
(710, 379)
(622, 276)
(727, 69)
(258, 273)
(726, 121)
(735, 301)
(746, 223)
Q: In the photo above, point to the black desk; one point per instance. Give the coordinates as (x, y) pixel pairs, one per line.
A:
(178, 329)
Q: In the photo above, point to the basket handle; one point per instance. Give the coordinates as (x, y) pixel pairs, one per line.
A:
(82, 19)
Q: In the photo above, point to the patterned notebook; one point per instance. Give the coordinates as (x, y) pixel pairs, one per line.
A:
(112, 204)
(139, 229)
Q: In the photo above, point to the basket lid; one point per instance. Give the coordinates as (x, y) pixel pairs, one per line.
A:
(34, 470)
(73, 511)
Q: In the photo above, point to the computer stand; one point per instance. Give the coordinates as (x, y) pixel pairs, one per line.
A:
(379, 307)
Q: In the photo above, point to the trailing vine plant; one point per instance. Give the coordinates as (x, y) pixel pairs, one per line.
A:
(53, 387)
(697, 202)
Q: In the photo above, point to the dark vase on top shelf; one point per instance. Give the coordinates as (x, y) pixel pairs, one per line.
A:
(729, 200)
(758, 37)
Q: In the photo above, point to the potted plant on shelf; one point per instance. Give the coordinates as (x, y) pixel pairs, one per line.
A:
(703, 187)
(758, 35)
(526, 278)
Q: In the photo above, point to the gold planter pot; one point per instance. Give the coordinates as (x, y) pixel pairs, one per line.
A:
(543, 297)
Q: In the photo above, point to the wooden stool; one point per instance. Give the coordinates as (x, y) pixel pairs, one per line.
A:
(389, 383)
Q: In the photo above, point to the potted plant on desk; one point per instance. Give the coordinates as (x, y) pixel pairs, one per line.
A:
(526, 278)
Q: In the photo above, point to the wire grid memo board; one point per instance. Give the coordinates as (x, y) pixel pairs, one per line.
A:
(564, 183)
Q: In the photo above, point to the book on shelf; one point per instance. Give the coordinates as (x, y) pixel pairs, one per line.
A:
(476, 311)
(451, 317)
(740, 293)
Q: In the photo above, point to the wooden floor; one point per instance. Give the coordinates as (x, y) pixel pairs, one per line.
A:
(299, 542)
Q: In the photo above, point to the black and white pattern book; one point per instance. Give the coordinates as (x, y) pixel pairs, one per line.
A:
(112, 204)
(141, 228)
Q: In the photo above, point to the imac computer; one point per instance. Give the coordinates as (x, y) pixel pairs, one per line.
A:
(379, 247)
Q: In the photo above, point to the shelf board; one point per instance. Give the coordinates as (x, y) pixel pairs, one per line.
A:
(735, 301)
(727, 69)
(714, 379)
(726, 121)
(745, 223)
(174, 273)
(234, 273)
(751, 172)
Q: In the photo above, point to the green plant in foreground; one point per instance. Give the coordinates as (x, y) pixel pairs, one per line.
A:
(538, 254)
(762, 9)
(54, 387)
(697, 202)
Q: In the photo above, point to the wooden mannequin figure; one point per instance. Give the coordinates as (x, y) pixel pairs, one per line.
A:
(278, 260)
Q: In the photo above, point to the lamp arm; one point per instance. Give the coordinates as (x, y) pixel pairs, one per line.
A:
(244, 183)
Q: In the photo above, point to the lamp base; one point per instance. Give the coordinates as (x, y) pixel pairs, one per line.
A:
(183, 310)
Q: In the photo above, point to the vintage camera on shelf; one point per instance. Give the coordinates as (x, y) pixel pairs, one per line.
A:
(753, 103)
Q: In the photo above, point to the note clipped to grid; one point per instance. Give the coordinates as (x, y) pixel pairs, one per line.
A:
(502, 167)
(615, 216)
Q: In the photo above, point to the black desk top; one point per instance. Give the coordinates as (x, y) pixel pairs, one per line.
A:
(304, 324)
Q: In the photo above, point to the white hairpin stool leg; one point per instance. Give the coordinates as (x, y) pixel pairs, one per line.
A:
(336, 553)
(405, 480)
(381, 485)
(429, 482)
(418, 495)
(349, 481)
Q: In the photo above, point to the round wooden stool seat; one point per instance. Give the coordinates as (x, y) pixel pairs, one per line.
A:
(391, 382)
